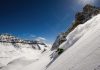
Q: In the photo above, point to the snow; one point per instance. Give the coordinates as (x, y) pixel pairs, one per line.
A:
(84, 54)
(17, 64)
(29, 64)
(41, 63)
(10, 55)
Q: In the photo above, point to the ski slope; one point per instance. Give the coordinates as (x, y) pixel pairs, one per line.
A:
(84, 54)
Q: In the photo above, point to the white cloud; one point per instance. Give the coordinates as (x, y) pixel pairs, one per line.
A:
(33, 36)
(41, 39)
(84, 2)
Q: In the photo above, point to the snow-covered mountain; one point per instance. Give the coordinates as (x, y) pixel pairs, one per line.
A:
(84, 51)
(13, 48)
(87, 13)
(8, 38)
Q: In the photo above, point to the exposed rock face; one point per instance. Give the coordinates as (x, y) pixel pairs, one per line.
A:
(81, 17)
(60, 39)
(88, 12)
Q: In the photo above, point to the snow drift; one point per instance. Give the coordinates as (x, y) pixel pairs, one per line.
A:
(84, 51)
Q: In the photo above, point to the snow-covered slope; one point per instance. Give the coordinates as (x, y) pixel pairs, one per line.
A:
(84, 53)
(24, 64)
(81, 17)
(78, 32)
(8, 52)
(15, 51)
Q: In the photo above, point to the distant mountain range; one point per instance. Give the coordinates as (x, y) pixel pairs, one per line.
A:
(8, 38)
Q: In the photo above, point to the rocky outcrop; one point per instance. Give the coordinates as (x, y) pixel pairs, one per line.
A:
(88, 12)
(60, 39)
(81, 17)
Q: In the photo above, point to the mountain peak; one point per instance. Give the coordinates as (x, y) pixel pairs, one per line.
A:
(6, 37)
(81, 17)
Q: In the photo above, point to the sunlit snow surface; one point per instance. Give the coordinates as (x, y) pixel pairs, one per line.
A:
(13, 58)
(84, 54)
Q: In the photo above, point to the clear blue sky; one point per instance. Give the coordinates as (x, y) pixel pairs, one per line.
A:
(39, 18)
